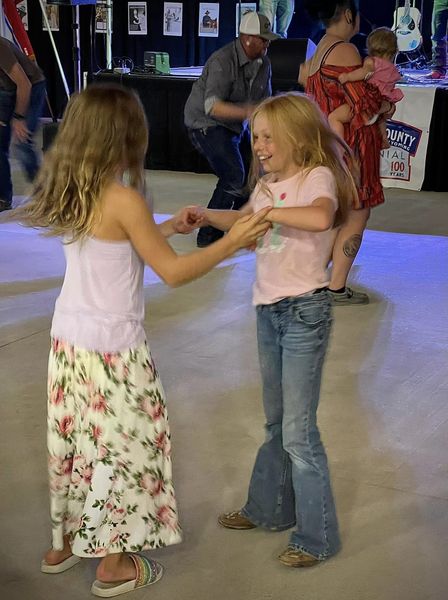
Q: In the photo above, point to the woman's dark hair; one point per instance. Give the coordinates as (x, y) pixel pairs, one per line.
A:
(329, 10)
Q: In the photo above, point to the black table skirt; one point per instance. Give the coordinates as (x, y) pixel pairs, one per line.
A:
(164, 98)
(436, 171)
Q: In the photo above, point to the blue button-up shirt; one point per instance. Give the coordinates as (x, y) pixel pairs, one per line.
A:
(230, 76)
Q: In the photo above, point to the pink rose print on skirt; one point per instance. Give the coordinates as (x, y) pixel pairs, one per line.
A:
(153, 409)
(66, 426)
(108, 412)
(151, 484)
(167, 516)
(56, 394)
(99, 403)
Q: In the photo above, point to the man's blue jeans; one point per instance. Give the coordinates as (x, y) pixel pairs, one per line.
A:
(228, 154)
(290, 483)
(439, 34)
(25, 151)
(279, 13)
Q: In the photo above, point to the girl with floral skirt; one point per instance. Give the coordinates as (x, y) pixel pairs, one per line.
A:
(111, 487)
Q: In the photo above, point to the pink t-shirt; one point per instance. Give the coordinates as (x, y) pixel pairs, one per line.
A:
(385, 77)
(290, 261)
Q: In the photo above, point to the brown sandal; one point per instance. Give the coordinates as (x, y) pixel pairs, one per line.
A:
(291, 557)
(235, 520)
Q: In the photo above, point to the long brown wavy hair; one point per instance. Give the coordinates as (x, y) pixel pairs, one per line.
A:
(103, 133)
(297, 122)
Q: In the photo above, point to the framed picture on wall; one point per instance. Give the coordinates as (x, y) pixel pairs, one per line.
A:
(172, 18)
(137, 18)
(101, 16)
(245, 8)
(22, 9)
(208, 19)
(52, 13)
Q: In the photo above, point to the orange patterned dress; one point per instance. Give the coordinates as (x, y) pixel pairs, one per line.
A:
(364, 140)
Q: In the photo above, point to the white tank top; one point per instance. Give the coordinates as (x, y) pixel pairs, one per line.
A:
(101, 305)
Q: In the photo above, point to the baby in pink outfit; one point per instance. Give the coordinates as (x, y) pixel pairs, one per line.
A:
(379, 70)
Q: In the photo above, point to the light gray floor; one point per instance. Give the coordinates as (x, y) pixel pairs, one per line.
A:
(383, 416)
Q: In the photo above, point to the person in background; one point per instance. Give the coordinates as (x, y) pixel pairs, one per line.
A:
(136, 21)
(439, 29)
(206, 19)
(279, 13)
(234, 80)
(319, 75)
(108, 437)
(22, 95)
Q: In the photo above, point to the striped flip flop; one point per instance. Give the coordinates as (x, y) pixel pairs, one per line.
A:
(148, 572)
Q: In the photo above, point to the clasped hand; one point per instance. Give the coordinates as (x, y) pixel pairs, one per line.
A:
(247, 227)
(189, 218)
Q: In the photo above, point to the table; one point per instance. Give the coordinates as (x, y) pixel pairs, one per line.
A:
(163, 98)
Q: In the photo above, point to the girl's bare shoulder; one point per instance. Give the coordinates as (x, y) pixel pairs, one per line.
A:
(118, 193)
(117, 201)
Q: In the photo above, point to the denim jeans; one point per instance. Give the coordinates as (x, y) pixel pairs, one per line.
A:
(290, 483)
(25, 151)
(228, 154)
(279, 13)
(439, 34)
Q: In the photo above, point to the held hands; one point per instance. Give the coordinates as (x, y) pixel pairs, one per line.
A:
(189, 218)
(246, 231)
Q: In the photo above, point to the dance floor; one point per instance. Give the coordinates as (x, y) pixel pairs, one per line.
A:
(383, 416)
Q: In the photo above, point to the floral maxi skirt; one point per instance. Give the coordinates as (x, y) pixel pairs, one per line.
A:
(109, 461)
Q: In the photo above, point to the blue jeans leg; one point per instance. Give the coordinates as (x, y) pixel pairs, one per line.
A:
(268, 8)
(279, 13)
(223, 150)
(26, 152)
(7, 103)
(285, 11)
(290, 481)
(439, 26)
(271, 502)
(228, 154)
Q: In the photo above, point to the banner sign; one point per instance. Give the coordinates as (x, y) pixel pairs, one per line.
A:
(403, 164)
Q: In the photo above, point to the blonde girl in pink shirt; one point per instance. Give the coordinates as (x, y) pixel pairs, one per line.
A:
(109, 451)
(301, 174)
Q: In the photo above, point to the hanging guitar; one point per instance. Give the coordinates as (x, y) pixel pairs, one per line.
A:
(406, 27)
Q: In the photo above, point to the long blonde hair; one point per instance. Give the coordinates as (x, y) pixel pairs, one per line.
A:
(103, 133)
(297, 122)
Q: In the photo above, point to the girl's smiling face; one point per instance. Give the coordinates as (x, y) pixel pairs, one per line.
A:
(275, 158)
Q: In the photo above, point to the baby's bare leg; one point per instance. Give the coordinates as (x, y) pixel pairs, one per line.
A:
(338, 117)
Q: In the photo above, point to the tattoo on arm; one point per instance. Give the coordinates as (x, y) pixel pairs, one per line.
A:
(352, 245)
